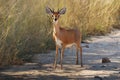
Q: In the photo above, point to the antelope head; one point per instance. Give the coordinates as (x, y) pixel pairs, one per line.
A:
(55, 14)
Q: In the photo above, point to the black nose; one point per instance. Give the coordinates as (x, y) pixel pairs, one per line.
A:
(55, 19)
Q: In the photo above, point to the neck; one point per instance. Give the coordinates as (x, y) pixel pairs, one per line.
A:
(55, 27)
(55, 22)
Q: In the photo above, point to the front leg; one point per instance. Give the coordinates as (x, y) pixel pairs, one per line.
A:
(61, 58)
(56, 56)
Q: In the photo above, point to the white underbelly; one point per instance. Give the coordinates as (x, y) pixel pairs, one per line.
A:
(59, 43)
(70, 45)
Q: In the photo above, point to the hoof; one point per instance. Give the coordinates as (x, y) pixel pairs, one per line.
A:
(61, 67)
(54, 66)
(81, 65)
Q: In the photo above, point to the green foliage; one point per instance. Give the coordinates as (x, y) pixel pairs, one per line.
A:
(25, 27)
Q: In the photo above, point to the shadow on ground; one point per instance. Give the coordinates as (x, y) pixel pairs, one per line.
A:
(54, 77)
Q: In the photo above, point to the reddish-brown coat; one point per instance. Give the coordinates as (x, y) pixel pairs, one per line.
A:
(67, 36)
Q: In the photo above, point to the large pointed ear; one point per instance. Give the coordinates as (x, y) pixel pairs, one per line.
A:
(62, 11)
(48, 10)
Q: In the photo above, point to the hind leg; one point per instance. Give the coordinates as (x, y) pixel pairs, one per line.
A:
(77, 49)
(81, 56)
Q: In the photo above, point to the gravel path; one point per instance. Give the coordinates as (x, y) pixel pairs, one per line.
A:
(99, 47)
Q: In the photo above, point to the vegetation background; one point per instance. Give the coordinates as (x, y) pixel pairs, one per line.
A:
(25, 28)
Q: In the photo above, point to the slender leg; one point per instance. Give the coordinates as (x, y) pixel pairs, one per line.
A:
(59, 50)
(56, 56)
(61, 58)
(76, 55)
(60, 53)
(81, 56)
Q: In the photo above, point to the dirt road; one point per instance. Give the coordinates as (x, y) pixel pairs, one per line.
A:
(99, 47)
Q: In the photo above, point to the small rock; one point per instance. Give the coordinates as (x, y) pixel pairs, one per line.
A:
(86, 46)
(105, 60)
(115, 67)
(100, 78)
(103, 66)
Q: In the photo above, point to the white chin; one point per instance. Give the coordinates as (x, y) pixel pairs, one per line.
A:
(54, 21)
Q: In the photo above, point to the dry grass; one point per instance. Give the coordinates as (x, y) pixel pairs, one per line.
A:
(25, 28)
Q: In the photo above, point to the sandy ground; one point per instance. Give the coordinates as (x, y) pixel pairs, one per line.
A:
(99, 47)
